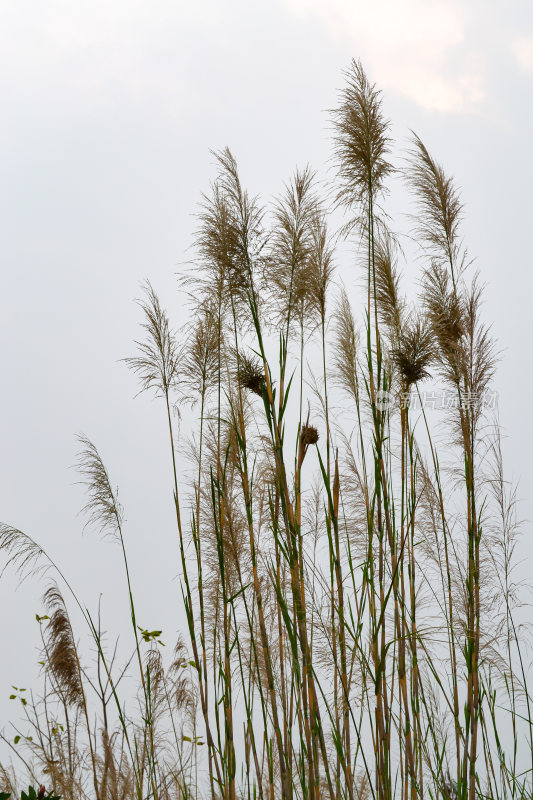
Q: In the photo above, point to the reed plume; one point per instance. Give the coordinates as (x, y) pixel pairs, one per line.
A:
(158, 359)
(440, 209)
(414, 352)
(61, 648)
(361, 142)
(23, 553)
(287, 268)
(102, 508)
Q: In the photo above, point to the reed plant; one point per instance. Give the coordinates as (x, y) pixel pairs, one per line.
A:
(349, 600)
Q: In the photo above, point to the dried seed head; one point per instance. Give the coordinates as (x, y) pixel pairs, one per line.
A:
(361, 140)
(102, 508)
(287, 266)
(390, 305)
(200, 366)
(320, 266)
(250, 374)
(308, 435)
(445, 311)
(61, 648)
(414, 352)
(156, 362)
(439, 203)
(345, 344)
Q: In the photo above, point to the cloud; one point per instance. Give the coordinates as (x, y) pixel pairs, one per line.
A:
(522, 48)
(415, 47)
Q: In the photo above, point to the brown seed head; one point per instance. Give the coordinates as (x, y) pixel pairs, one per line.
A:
(308, 435)
(250, 374)
(414, 353)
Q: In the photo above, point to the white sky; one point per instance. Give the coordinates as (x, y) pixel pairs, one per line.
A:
(108, 111)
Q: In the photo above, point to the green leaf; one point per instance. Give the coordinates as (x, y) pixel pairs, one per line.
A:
(12, 696)
(16, 739)
(4, 796)
(150, 636)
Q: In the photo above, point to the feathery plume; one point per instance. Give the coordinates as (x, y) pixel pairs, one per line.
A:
(102, 508)
(23, 552)
(439, 205)
(321, 267)
(345, 343)
(246, 221)
(61, 648)
(361, 141)
(414, 352)
(445, 312)
(389, 303)
(200, 367)
(287, 266)
(477, 354)
(157, 362)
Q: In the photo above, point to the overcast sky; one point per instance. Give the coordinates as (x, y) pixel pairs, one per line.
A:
(108, 112)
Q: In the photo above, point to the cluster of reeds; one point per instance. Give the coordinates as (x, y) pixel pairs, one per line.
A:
(347, 584)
